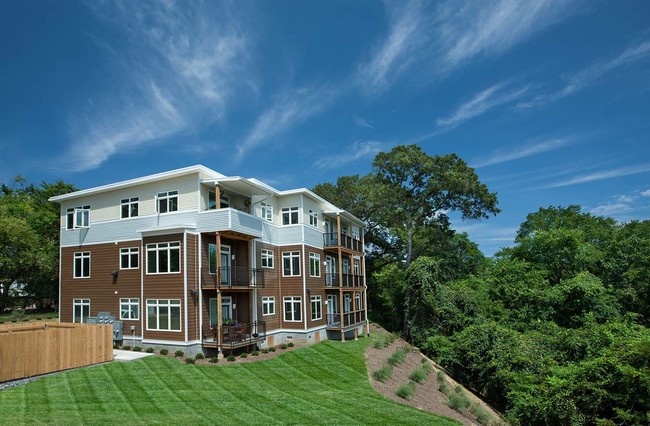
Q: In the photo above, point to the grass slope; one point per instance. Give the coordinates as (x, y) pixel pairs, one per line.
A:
(322, 384)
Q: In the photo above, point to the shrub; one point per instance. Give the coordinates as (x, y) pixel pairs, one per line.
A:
(164, 351)
(271, 349)
(426, 366)
(384, 373)
(150, 350)
(283, 346)
(444, 388)
(265, 351)
(179, 353)
(405, 391)
(418, 375)
(255, 353)
(482, 415)
(458, 400)
(190, 361)
(199, 356)
(397, 357)
(244, 355)
(126, 348)
(290, 344)
(440, 376)
(137, 349)
(214, 360)
(379, 343)
(231, 358)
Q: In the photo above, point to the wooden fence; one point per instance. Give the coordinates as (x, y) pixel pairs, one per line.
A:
(38, 348)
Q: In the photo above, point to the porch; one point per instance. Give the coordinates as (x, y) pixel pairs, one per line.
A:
(233, 336)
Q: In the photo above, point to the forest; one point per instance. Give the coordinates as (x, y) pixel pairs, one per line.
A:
(553, 330)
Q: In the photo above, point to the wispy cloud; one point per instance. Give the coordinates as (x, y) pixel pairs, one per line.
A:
(289, 109)
(603, 175)
(528, 150)
(183, 65)
(622, 207)
(482, 102)
(364, 122)
(582, 79)
(645, 193)
(359, 150)
(440, 36)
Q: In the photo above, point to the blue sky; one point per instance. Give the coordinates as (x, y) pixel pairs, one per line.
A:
(547, 99)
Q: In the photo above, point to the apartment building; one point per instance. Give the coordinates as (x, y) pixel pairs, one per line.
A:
(196, 260)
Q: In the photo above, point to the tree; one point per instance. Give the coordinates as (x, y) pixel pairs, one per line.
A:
(18, 254)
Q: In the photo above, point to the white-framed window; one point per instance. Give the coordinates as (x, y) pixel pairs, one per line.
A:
(71, 216)
(80, 310)
(164, 315)
(82, 218)
(129, 309)
(267, 258)
(357, 300)
(290, 263)
(267, 211)
(313, 218)
(293, 308)
(212, 200)
(316, 308)
(346, 266)
(82, 264)
(289, 215)
(356, 267)
(163, 258)
(129, 207)
(167, 201)
(347, 302)
(268, 305)
(130, 258)
(212, 258)
(314, 265)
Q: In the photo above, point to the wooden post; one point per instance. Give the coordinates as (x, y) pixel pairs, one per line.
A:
(340, 270)
(354, 309)
(218, 275)
(217, 194)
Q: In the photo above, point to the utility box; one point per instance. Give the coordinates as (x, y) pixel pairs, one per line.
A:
(108, 319)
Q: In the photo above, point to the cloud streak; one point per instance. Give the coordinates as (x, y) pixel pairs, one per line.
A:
(359, 150)
(525, 151)
(603, 175)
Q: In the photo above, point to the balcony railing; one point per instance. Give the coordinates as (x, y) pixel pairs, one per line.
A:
(234, 335)
(347, 280)
(332, 239)
(231, 277)
(346, 319)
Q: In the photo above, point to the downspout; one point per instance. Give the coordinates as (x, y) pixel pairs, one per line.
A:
(185, 279)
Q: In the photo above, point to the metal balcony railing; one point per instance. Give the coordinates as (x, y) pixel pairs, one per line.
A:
(347, 280)
(231, 277)
(332, 239)
(234, 335)
(346, 319)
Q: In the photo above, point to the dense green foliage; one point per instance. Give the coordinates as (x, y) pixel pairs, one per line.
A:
(326, 383)
(29, 240)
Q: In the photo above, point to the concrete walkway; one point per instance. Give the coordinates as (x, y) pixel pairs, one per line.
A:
(120, 355)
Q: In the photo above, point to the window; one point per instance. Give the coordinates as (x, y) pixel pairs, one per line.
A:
(224, 201)
(292, 308)
(289, 215)
(80, 310)
(164, 315)
(130, 207)
(357, 268)
(212, 258)
(167, 201)
(212, 200)
(267, 258)
(347, 302)
(129, 258)
(82, 264)
(316, 308)
(163, 258)
(290, 263)
(268, 305)
(129, 309)
(357, 300)
(81, 213)
(346, 266)
(267, 212)
(313, 218)
(314, 265)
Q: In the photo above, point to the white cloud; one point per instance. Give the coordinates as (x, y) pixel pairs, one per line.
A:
(580, 80)
(364, 122)
(603, 175)
(183, 65)
(645, 193)
(529, 150)
(359, 150)
(482, 102)
(621, 207)
(481, 232)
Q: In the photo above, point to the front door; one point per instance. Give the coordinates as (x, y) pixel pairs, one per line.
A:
(332, 308)
(213, 311)
(226, 308)
(225, 265)
(329, 270)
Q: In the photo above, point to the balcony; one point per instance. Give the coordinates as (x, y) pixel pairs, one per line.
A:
(348, 280)
(338, 321)
(235, 335)
(231, 277)
(333, 239)
(229, 219)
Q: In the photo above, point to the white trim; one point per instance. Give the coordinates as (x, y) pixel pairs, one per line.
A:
(152, 232)
(99, 244)
(185, 279)
(199, 254)
(74, 265)
(304, 283)
(171, 342)
(60, 281)
(284, 311)
(130, 304)
(169, 249)
(170, 318)
(295, 330)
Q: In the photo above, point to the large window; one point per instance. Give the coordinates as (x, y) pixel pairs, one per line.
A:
(267, 212)
(167, 201)
(82, 264)
(316, 308)
(163, 258)
(80, 310)
(268, 305)
(129, 258)
(129, 207)
(289, 215)
(212, 258)
(314, 265)
(292, 308)
(313, 218)
(129, 309)
(164, 315)
(78, 217)
(291, 263)
(347, 302)
(357, 300)
(267, 258)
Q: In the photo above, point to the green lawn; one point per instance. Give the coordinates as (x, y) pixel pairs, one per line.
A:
(323, 384)
(19, 316)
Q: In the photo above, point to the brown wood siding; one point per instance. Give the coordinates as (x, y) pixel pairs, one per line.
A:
(192, 283)
(271, 286)
(103, 291)
(291, 286)
(317, 286)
